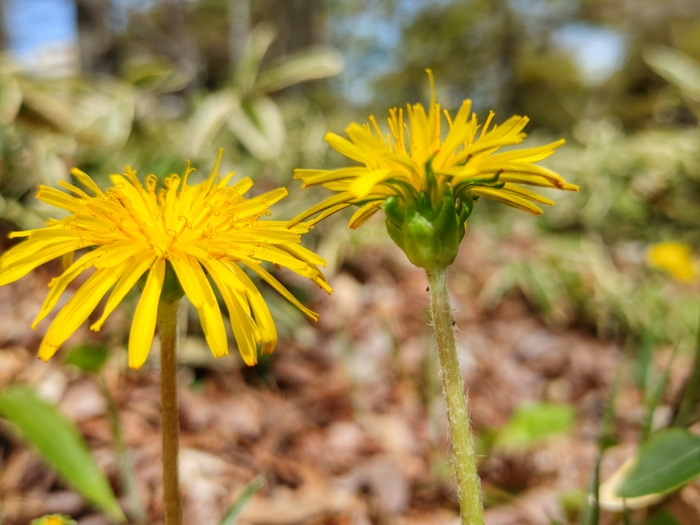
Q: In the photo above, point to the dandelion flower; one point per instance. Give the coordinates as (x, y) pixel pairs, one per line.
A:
(674, 258)
(413, 169)
(427, 187)
(202, 231)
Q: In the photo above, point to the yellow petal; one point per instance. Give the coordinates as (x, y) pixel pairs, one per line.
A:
(345, 147)
(327, 213)
(458, 134)
(527, 194)
(196, 285)
(363, 138)
(507, 198)
(282, 290)
(59, 285)
(188, 279)
(313, 261)
(528, 155)
(421, 136)
(242, 323)
(59, 199)
(22, 267)
(77, 310)
(130, 276)
(266, 326)
(86, 181)
(313, 177)
(25, 249)
(210, 315)
(363, 214)
(243, 185)
(134, 198)
(119, 252)
(330, 202)
(144, 323)
(534, 180)
(77, 191)
(363, 186)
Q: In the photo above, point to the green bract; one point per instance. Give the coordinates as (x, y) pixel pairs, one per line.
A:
(430, 227)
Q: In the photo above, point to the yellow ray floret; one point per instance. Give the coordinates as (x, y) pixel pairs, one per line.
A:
(203, 231)
(467, 158)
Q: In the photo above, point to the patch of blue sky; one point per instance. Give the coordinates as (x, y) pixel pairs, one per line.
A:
(544, 10)
(377, 40)
(373, 54)
(119, 9)
(33, 24)
(597, 51)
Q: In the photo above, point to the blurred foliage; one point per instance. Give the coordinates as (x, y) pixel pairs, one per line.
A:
(637, 189)
(53, 519)
(88, 357)
(514, 57)
(45, 123)
(531, 423)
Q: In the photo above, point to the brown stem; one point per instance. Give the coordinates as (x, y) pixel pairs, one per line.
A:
(167, 319)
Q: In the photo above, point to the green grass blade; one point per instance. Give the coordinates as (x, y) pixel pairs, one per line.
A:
(691, 394)
(590, 511)
(234, 513)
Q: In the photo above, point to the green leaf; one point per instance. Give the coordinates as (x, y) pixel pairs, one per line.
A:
(260, 128)
(252, 56)
(10, 98)
(307, 64)
(667, 461)
(533, 422)
(677, 68)
(89, 358)
(207, 120)
(61, 445)
(234, 513)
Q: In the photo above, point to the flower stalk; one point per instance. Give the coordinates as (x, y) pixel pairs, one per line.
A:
(464, 458)
(170, 423)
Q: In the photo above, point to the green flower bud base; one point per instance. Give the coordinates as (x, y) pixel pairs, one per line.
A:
(427, 229)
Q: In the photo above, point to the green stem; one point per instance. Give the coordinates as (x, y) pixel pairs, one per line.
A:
(167, 319)
(468, 484)
(691, 394)
(126, 467)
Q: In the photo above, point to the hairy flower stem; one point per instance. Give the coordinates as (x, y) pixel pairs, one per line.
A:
(468, 484)
(167, 320)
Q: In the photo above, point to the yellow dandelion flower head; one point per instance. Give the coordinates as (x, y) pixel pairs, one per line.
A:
(207, 229)
(674, 258)
(413, 157)
(427, 185)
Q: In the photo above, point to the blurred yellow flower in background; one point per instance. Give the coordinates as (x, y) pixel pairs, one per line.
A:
(208, 227)
(674, 258)
(54, 519)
